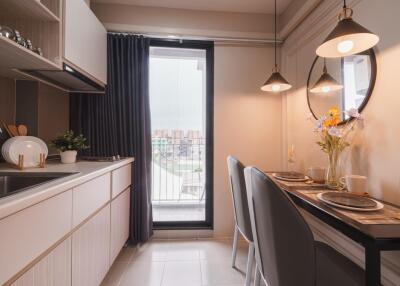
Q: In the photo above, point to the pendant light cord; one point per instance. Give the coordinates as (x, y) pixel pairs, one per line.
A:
(344, 4)
(276, 66)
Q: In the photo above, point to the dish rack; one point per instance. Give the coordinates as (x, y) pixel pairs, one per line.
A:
(42, 161)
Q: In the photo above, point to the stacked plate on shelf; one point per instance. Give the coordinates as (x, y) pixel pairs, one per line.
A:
(29, 146)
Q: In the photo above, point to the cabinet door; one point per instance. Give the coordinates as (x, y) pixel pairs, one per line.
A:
(26, 235)
(119, 223)
(53, 270)
(85, 40)
(91, 250)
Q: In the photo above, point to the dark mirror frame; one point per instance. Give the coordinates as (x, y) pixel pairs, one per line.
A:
(372, 57)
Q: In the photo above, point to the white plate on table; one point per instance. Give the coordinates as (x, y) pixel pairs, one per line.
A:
(276, 176)
(378, 206)
(29, 146)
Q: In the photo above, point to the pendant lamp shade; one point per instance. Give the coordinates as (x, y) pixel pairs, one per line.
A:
(326, 83)
(348, 38)
(276, 83)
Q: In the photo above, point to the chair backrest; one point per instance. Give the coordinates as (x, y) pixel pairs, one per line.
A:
(239, 197)
(284, 243)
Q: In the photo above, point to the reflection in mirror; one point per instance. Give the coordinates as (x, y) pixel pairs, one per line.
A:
(356, 73)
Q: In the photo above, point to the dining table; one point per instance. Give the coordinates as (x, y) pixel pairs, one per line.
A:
(376, 231)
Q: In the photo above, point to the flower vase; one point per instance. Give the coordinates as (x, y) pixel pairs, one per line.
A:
(333, 173)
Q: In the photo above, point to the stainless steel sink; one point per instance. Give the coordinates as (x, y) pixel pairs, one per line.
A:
(14, 182)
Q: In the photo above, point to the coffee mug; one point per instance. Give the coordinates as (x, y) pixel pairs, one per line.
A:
(317, 174)
(355, 184)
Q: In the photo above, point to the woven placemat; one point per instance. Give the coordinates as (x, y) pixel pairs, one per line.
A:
(388, 215)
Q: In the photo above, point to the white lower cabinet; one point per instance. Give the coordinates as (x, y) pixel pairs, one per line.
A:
(119, 223)
(30, 237)
(91, 250)
(52, 270)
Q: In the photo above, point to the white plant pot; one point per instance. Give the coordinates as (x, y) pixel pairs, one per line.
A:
(68, 157)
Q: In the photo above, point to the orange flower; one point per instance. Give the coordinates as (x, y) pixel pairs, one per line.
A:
(333, 118)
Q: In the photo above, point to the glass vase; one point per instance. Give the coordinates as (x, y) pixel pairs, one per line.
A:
(333, 172)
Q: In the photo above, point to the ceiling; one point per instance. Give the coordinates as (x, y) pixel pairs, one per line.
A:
(246, 6)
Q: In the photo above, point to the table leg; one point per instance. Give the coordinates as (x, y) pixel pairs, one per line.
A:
(372, 266)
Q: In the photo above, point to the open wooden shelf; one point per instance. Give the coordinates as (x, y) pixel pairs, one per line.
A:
(14, 56)
(28, 9)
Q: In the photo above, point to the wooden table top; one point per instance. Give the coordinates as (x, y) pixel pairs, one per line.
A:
(384, 232)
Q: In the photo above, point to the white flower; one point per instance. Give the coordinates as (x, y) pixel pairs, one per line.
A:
(353, 112)
(319, 124)
(336, 132)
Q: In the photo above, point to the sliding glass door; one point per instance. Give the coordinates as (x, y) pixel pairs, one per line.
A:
(181, 104)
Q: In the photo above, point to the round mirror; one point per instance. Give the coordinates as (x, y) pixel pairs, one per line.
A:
(344, 83)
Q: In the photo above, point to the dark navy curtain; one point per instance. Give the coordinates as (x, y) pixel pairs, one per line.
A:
(119, 121)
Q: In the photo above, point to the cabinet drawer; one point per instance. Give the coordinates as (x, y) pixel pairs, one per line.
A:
(89, 197)
(121, 179)
(30, 232)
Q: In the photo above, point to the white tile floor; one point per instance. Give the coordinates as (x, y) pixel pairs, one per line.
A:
(179, 263)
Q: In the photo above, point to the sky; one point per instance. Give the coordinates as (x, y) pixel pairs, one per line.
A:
(176, 91)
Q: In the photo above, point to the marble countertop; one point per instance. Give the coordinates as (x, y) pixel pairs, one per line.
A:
(84, 170)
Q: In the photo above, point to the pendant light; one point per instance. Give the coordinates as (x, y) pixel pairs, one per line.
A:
(276, 82)
(348, 37)
(326, 83)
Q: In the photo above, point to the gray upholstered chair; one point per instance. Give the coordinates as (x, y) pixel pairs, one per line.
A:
(285, 250)
(241, 212)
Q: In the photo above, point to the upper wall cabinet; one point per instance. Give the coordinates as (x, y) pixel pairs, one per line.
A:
(38, 25)
(85, 40)
(72, 42)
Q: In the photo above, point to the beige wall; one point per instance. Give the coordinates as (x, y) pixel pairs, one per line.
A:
(375, 150)
(247, 120)
(184, 22)
(53, 113)
(53, 109)
(7, 100)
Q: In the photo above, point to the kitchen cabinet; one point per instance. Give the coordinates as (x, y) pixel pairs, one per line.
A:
(89, 197)
(119, 223)
(39, 21)
(121, 179)
(91, 250)
(52, 270)
(71, 38)
(30, 232)
(70, 238)
(85, 40)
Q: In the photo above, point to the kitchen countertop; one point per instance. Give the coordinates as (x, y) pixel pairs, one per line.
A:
(85, 172)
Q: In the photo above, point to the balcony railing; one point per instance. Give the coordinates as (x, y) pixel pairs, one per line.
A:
(178, 170)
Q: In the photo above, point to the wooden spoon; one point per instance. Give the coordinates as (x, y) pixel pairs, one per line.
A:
(13, 130)
(6, 129)
(22, 130)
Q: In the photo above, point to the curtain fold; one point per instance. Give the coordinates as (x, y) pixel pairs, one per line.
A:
(119, 121)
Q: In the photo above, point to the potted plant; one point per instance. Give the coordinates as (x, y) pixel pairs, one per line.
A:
(68, 144)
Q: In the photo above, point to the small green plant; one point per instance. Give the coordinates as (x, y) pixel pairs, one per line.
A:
(69, 142)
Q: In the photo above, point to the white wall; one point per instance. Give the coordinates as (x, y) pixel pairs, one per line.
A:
(375, 150)
(247, 121)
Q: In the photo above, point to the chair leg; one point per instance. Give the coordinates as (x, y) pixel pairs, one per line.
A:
(257, 276)
(235, 245)
(250, 262)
